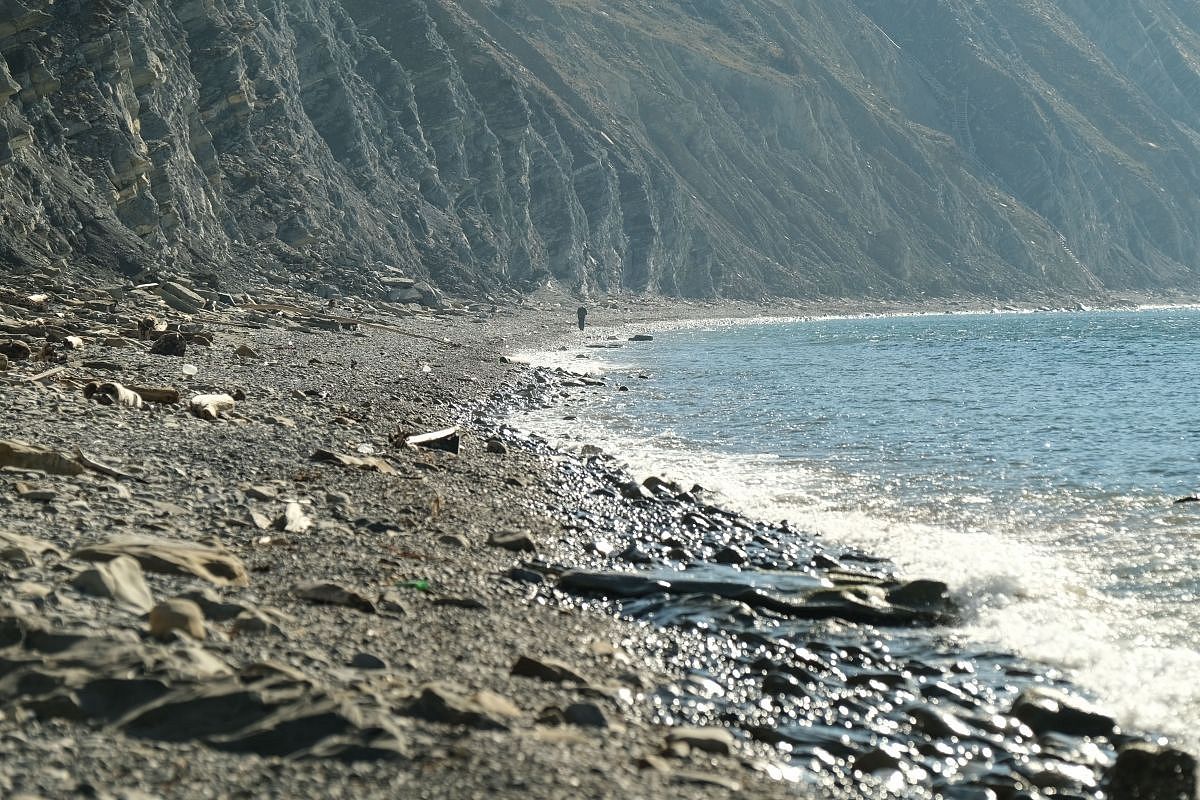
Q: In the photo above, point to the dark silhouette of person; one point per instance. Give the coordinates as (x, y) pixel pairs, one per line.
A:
(581, 313)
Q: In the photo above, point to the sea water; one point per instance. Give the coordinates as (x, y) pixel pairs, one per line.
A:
(1031, 461)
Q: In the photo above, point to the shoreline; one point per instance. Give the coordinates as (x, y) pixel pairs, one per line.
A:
(441, 653)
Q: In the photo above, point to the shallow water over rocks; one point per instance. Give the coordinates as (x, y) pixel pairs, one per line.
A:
(831, 670)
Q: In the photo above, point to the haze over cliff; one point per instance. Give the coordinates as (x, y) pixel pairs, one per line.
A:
(689, 147)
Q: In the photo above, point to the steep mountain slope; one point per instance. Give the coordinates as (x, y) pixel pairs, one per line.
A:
(692, 147)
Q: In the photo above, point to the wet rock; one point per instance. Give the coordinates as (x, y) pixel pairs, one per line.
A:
(170, 344)
(171, 557)
(631, 490)
(367, 661)
(585, 715)
(718, 741)
(641, 337)
(119, 580)
(549, 670)
(518, 542)
(731, 555)
(1151, 772)
(450, 704)
(469, 603)
(1049, 711)
(177, 614)
(328, 593)
(921, 594)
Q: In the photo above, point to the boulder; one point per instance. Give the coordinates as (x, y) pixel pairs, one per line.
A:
(176, 614)
(1146, 771)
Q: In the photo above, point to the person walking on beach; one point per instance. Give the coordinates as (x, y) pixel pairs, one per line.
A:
(581, 313)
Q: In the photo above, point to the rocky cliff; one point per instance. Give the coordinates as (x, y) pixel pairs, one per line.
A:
(690, 147)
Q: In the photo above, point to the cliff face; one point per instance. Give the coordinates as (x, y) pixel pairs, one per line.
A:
(692, 147)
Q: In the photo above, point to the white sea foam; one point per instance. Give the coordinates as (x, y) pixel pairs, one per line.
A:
(1020, 590)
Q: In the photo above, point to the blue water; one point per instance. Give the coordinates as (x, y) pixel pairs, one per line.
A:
(1029, 459)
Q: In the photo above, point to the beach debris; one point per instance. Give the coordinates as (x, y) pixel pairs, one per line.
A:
(120, 580)
(171, 557)
(169, 344)
(293, 519)
(447, 439)
(518, 542)
(104, 469)
(334, 594)
(176, 614)
(21, 455)
(111, 393)
(14, 349)
(549, 670)
(359, 462)
(163, 395)
(211, 406)
(50, 373)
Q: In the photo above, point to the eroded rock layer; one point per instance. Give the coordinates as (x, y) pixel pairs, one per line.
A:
(688, 147)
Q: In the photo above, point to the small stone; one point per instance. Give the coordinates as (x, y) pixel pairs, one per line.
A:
(15, 350)
(328, 593)
(585, 715)
(518, 542)
(169, 344)
(120, 580)
(177, 614)
(548, 670)
(391, 602)
(731, 555)
(3, 362)
(367, 661)
(253, 623)
(453, 540)
(246, 351)
(261, 493)
(496, 446)
(718, 741)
